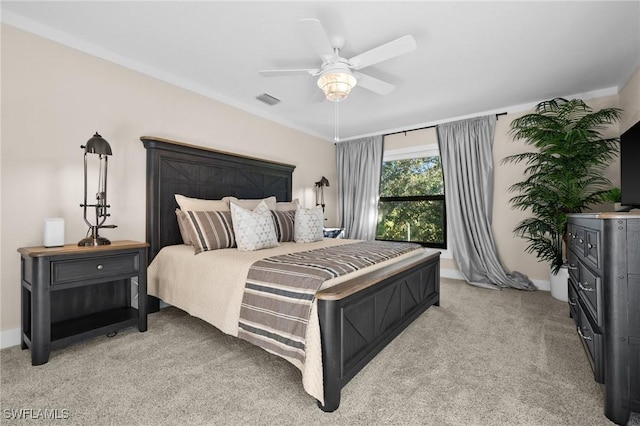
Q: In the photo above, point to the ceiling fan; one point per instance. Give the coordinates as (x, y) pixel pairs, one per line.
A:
(336, 74)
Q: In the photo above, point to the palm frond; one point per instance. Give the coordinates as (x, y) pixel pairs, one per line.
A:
(565, 173)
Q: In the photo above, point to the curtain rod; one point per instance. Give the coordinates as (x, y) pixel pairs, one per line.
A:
(429, 127)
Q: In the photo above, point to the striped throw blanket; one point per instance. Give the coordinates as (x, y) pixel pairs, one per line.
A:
(279, 291)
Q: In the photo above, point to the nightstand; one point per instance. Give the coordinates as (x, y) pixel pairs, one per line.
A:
(71, 293)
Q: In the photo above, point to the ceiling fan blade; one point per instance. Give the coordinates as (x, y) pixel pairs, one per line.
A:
(384, 52)
(375, 85)
(316, 35)
(287, 72)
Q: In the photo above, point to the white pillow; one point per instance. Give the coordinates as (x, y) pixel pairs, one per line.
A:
(286, 206)
(254, 230)
(198, 205)
(308, 225)
(251, 204)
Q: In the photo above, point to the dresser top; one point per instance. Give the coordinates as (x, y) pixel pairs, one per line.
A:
(607, 215)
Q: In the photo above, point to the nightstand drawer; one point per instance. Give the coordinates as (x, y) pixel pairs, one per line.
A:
(99, 267)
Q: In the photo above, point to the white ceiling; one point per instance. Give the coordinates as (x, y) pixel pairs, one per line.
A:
(472, 57)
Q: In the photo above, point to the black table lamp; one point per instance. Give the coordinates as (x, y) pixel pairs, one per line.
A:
(320, 191)
(97, 145)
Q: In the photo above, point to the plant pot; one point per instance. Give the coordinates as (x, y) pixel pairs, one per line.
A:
(560, 284)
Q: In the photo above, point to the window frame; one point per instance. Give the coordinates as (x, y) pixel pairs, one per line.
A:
(418, 151)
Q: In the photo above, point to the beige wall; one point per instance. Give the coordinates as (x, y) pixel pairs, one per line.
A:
(630, 102)
(54, 98)
(510, 248)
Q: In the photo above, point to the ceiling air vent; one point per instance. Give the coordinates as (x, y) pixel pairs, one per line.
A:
(268, 99)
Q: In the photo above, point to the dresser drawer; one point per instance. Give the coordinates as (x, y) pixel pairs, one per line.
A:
(592, 247)
(573, 302)
(589, 289)
(576, 237)
(574, 266)
(591, 337)
(66, 271)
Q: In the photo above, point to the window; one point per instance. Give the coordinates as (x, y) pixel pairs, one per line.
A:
(411, 205)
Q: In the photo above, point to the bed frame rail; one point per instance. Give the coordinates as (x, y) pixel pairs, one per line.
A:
(359, 319)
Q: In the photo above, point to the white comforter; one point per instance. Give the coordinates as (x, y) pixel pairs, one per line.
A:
(210, 286)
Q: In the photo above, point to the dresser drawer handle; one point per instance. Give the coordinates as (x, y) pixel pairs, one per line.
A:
(573, 267)
(590, 246)
(583, 288)
(100, 266)
(583, 336)
(572, 303)
(581, 241)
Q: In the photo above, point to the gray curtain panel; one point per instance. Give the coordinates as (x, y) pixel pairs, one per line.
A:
(467, 161)
(359, 167)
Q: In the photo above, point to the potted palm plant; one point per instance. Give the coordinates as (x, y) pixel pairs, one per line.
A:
(564, 174)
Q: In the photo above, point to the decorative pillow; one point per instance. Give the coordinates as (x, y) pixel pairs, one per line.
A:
(196, 204)
(184, 226)
(284, 206)
(308, 225)
(255, 229)
(210, 230)
(284, 224)
(252, 204)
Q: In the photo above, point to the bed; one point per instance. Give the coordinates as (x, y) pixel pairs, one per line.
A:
(356, 316)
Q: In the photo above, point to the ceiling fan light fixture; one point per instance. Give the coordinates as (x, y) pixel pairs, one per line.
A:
(337, 84)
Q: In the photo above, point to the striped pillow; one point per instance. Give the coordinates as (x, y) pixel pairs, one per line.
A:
(284, 224)
(210, 230)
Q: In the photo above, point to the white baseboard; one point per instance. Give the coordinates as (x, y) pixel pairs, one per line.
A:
(457, 275)
(9, 338)
(451, 273)
(542, 285)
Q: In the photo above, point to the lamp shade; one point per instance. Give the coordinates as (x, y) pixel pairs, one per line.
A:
(337, 83)
(97, 145)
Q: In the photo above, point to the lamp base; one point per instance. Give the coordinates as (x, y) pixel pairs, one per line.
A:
(94, 241)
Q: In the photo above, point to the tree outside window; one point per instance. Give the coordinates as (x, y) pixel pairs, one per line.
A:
(411, 205)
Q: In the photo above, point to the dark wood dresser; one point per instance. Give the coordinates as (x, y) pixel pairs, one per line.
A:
(71, 293)
(604, 301)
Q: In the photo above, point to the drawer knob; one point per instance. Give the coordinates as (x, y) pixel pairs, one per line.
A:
(583, 336)
(583, 288)
(581, 241)
(573, 267)
(100, 266)
(573, 236)
(590, 246)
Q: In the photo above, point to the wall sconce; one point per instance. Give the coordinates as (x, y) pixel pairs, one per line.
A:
(97, 145)
(320, 191)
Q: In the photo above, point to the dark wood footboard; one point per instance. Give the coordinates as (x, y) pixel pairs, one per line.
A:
(360, 317)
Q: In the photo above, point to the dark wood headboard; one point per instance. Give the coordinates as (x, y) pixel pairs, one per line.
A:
(178, 168)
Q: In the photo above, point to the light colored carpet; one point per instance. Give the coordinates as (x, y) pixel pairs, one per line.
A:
(481, 358)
